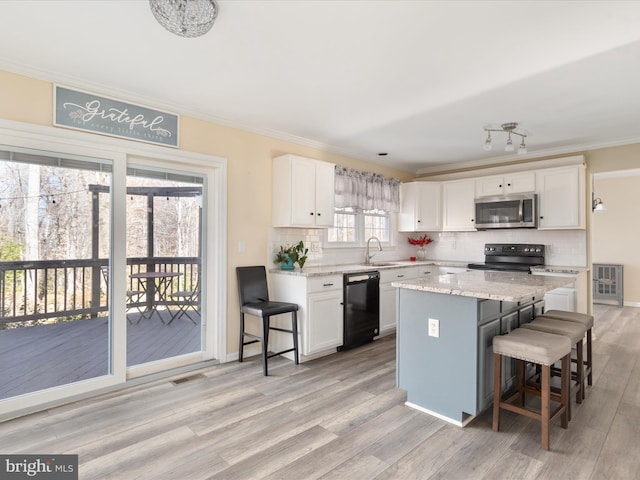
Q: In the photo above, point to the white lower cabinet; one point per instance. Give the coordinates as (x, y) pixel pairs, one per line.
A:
(324, 321)
(388, 295)
(572, 298)
(320, 324)
(561, 299)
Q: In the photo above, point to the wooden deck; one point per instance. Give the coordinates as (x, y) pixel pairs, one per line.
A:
(36, 358)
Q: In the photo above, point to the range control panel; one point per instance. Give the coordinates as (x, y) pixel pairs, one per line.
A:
(515, 250)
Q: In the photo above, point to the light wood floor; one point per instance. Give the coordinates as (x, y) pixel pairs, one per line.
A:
(339, 417)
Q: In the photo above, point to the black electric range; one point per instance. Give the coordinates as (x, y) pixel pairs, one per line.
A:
(510, 257)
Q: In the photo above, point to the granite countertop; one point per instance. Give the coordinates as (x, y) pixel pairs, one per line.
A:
(505, 286)
(318, 270)
(560, 269)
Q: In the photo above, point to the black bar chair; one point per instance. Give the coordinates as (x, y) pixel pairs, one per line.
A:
(254, 300)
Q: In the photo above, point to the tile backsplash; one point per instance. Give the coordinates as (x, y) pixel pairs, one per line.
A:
(563, 247)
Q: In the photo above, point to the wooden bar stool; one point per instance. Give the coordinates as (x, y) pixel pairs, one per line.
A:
(587, 321)
(575, 332)
(542, 349)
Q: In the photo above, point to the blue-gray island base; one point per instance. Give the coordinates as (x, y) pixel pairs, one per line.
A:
(446, 375)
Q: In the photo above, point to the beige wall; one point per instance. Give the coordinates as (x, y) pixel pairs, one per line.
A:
(616, 230)
(249, 156)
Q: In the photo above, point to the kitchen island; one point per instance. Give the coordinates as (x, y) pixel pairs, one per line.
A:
(445, 328)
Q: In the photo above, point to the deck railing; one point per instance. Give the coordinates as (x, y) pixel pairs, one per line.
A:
(71, 289)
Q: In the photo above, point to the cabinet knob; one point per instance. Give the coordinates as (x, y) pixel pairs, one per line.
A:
(508, 184)
(541, 217)
(327, 284)
(319, 214)
(310, 213)
(418, 221)
(500, 186)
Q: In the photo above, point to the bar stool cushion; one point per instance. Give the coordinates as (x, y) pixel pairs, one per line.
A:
(532, 346)
(575, 331)
(583, 318)
(268, 308)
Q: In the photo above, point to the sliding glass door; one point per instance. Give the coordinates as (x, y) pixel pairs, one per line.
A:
(55, 321)
(164, 264)
(103, 263)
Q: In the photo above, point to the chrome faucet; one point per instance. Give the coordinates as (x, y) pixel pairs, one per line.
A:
(367, 257)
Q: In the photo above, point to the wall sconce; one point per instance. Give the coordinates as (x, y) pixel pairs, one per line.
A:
(509, 128)
(596, 202)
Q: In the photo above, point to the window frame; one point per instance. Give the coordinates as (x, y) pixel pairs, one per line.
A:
(361, 239)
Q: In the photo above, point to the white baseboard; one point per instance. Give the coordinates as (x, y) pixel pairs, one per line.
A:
(457, 423)
(248, 352)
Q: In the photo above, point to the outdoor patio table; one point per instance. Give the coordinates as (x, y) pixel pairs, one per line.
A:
(157, 284)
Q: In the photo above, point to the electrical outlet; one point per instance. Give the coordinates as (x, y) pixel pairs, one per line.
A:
(315, 246)
(434, 328)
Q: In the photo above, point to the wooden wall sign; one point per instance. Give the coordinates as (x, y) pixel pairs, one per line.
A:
(106, 116)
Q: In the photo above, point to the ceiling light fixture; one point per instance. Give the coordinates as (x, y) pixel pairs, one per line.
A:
(510, 128)
(187, 18)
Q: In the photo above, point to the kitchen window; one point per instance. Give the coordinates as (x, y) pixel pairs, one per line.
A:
(353, 228)
(376, 224)
(363, 203)
(344, 228)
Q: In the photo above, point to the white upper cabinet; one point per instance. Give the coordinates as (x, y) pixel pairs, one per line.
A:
(524, 182)
(303, 192)
(420, 207)
(561, 197)
(458, 205)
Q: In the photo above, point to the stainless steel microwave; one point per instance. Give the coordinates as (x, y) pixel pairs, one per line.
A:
(511, 211)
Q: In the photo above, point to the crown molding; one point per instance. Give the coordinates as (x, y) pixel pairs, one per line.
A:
(617, 174)
(572, 149)
(125, 95)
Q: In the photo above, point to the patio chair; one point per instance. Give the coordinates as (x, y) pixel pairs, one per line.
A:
(133, 296)
(186, 299)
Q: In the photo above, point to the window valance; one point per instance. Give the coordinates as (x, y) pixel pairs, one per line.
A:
(366, 190)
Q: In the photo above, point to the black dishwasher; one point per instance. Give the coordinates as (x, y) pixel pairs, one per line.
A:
(361, 308)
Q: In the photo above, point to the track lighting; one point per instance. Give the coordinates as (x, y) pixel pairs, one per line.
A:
(509, 147)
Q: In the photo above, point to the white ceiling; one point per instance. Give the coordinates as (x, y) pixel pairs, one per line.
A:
(417, 79)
